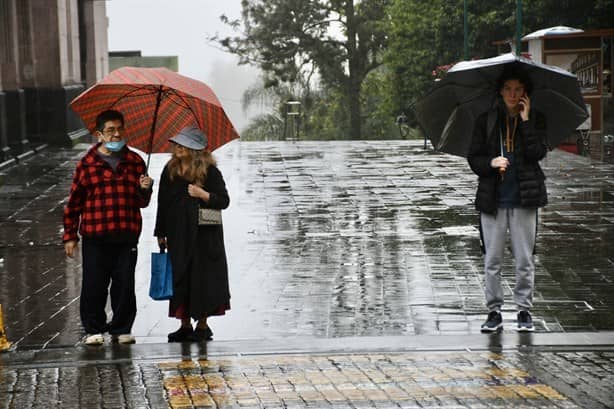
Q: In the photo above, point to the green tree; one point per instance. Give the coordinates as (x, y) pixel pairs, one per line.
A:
(341, 39)
(425, 35)
(422, 36)
(263, 128)
(275, 94)
(587, 14)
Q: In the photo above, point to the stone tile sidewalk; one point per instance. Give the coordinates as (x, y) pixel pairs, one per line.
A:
(120, 377)
(356, 282)
(327, 239)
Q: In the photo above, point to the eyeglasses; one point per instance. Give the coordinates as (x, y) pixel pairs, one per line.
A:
(113, 131)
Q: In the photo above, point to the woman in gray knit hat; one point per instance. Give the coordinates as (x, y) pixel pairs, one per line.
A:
(190, 182)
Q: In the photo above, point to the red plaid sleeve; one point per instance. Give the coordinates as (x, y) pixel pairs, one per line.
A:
(74, 207)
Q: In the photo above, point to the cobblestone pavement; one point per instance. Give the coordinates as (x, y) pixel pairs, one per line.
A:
(392, 380)
(449, 379)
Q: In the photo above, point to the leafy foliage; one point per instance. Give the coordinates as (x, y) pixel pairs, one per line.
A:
(427, 35)
(355, 65)
(264, 128)
(341, 39)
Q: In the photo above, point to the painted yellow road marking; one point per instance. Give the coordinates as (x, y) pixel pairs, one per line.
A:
(295, 379)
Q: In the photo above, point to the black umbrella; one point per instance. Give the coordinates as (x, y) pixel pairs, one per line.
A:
(448, 112)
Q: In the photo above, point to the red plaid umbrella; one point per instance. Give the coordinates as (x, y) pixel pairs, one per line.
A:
(157, 103)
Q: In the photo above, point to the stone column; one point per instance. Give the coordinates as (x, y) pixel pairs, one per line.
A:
(94, 51)
(13, 131)
(57, 71)
(4, 146)
(4, 56)
(93, 24)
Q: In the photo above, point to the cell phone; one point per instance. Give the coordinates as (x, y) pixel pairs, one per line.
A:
(521, 103)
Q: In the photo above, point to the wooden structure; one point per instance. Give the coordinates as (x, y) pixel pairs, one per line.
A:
(589, 55)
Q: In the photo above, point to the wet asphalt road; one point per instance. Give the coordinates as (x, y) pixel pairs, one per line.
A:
(327, 239)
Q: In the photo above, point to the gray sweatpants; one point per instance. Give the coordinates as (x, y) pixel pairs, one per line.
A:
(521, 223)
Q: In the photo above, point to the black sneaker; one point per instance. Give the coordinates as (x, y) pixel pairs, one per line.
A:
(183, 334)
(201, 334)
(525, 322)
(493, 322)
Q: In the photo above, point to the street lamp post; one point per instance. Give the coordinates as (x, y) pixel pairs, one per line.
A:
(293, 110)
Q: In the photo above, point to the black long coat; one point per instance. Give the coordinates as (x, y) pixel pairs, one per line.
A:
(529, 148)
(198, 256)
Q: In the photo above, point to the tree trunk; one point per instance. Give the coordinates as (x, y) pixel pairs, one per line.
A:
(353, 81)
(353, 95)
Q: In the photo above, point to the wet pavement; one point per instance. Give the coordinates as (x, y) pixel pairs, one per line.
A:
(330, 244)
(386, 372)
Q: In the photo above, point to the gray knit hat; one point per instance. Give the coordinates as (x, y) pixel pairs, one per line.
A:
(192, 138)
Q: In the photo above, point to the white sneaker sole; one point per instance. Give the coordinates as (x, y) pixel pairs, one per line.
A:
(123, 339)
(488, 330)
(94, 340)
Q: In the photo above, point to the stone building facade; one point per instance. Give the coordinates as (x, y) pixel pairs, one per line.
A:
(50, 51)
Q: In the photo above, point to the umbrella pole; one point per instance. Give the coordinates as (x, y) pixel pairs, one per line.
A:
(501, 170)
(153, 126)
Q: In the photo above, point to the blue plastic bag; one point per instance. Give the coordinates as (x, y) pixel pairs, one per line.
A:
(161, 284)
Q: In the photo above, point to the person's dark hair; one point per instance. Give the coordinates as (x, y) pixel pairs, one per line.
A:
(513, 72)
(106, 116)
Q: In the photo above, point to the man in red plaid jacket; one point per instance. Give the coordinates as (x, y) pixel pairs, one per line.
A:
(108, 190)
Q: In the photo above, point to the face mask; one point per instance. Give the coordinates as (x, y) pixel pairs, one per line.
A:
(115, 146)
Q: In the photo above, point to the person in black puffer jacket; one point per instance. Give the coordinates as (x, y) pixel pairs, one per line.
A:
(507, 144)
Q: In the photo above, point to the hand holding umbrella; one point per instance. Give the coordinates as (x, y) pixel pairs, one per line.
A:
(145, 182)
(500, 162)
